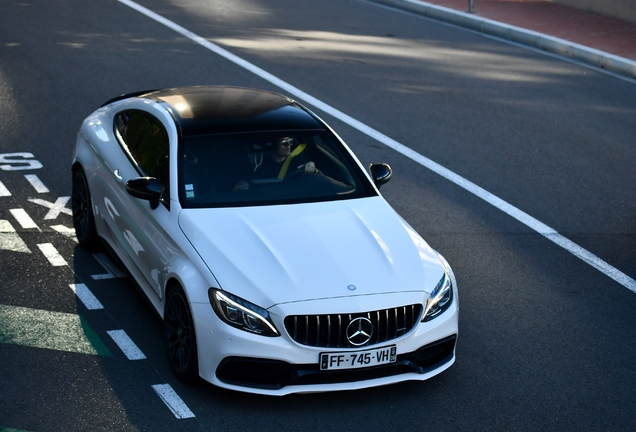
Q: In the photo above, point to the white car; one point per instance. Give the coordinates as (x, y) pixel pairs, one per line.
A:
(262, 242)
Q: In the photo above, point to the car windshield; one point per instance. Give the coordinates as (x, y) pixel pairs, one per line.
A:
(264, 168)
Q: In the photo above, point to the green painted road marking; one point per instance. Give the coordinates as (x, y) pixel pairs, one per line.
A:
(51, 330)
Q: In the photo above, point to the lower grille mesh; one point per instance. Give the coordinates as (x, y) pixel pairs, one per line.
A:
(329, 331)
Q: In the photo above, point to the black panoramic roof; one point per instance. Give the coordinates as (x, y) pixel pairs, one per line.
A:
(217, 109)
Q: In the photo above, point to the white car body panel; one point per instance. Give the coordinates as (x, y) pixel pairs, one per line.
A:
(311, 251)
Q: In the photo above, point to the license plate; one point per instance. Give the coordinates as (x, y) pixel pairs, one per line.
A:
(358, 359)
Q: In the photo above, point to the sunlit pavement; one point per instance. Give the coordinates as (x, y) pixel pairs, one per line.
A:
(585, 36)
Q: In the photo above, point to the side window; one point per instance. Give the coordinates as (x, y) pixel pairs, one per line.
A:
(146, 142)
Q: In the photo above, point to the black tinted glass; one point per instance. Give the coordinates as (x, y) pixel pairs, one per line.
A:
(145, 140)
(267, 168)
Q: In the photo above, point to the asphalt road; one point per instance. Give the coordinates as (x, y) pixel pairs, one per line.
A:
(546, 340)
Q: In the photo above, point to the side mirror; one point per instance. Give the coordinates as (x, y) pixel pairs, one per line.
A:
(145, 188)
(380, 173)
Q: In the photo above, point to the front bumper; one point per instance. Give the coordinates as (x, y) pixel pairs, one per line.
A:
(277, 374)
(237, 360)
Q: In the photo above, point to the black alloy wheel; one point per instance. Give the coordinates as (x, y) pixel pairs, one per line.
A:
(180, 337)
(83, 217)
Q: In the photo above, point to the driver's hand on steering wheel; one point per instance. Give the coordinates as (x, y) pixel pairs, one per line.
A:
(241, 185)
(310, 167)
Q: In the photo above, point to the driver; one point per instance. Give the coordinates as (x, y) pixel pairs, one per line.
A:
(279, 163)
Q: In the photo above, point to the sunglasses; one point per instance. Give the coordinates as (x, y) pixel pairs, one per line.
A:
(285, 142)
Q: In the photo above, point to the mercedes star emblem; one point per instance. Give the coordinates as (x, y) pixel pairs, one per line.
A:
(359, 331)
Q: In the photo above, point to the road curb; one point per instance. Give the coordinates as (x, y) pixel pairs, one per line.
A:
(552, 44)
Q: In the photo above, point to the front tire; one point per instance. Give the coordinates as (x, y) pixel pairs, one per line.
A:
(181, 344)
(82, 209)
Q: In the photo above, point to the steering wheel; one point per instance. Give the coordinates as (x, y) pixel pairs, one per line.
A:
(297, 173)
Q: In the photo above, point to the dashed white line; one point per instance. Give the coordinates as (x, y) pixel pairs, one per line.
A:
(126, 344)
(10, 240)
(36, 183)
(3, 190)
(507, 208)
(86, 296)
(123, 341)
(112, 271)
(23, 218)
(65, 231)
(103, 276)
(52, 255)
(173, 401)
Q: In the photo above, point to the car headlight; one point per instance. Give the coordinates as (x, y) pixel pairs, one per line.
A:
(241, 314)
(440, 298)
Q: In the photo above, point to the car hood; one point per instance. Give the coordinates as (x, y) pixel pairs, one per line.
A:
(270, 255)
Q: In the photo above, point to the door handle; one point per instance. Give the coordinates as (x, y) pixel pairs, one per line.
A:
(118, 175)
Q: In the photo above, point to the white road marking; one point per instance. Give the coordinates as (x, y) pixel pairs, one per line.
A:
(103, 276)
(25, 161)
(59, 206)
(65, 231)
(10, 240)
(86, 296)
(173, 401)
(516, 213)
(36, 183)
(4, 191)
(23, 218)
(126, 344)
(112, 271)
(52, 255)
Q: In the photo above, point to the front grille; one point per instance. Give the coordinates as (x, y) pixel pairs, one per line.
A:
(276, 374)
(329, 331)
